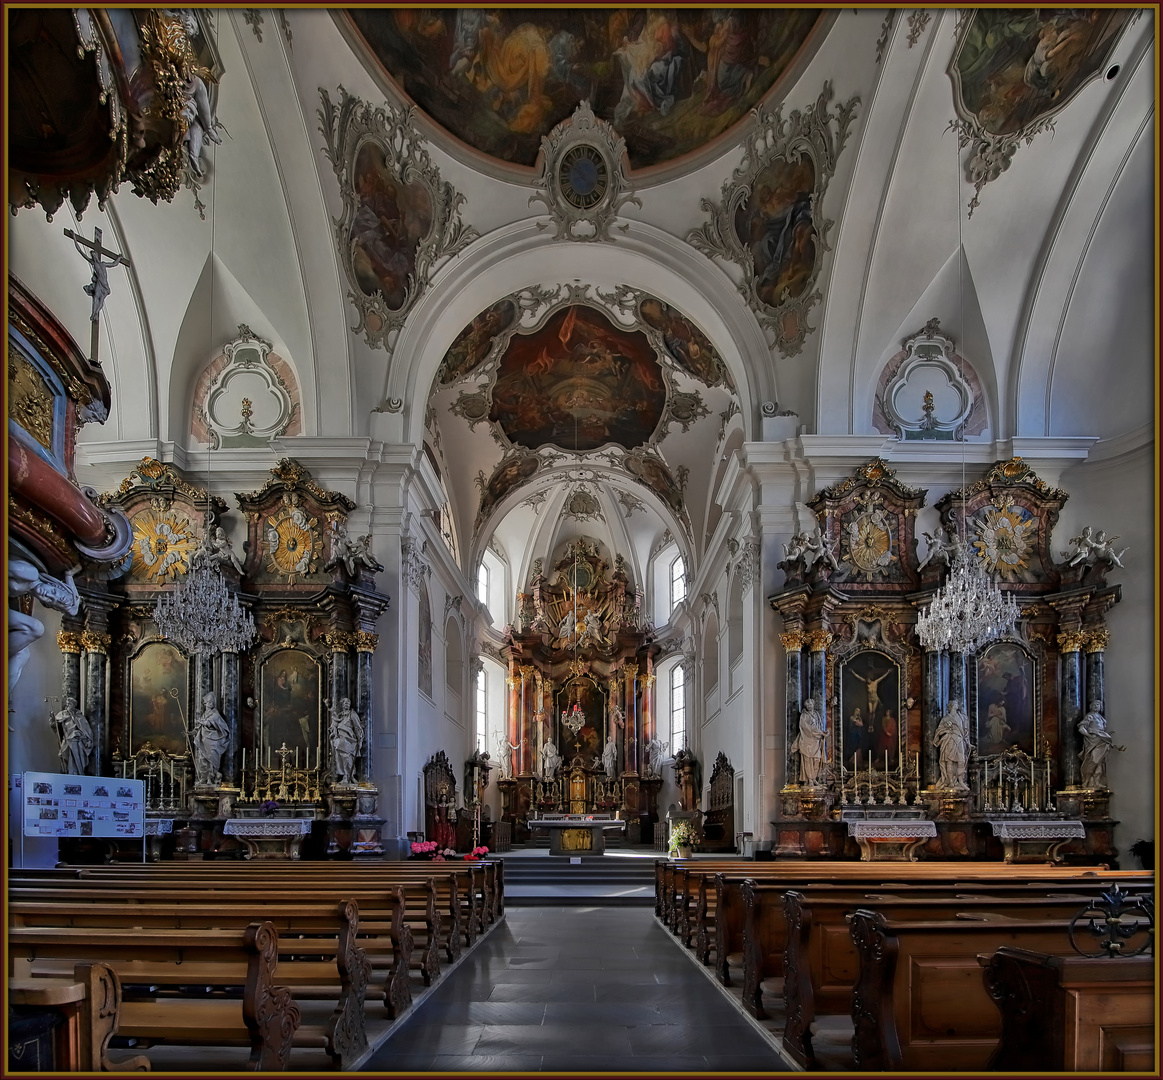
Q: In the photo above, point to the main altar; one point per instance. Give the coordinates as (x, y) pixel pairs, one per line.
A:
(580, 731)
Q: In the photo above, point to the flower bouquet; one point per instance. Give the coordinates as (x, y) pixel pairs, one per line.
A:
(476, 853)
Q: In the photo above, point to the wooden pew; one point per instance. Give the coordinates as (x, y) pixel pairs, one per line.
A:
(919, 1003)
(820, 963)
(305, 930)
(382, 933)
(265, 1017)
(1072, 1013)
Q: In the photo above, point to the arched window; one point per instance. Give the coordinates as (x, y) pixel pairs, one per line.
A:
(481, 710)
(483, 583)
(677, 582)
(677, 708)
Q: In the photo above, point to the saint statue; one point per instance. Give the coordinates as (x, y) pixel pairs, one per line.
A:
(219, 549)
(655, 752)
(952, 742)
(550, 760)
(1096, 745)
(610, 758)
(346, 734)
(25, 578)
(809, 743)
(75, 736)
(211, 738)
(507, 749)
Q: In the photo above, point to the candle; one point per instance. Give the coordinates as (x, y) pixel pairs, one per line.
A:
(886, 776)
(296, 758)
(1032, 800)
(135, 768)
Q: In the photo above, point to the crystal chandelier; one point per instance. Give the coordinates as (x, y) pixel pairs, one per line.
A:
(968, 611)
(201, 615)
(574, 718)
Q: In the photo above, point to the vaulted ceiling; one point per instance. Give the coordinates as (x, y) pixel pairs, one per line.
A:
(700, 318)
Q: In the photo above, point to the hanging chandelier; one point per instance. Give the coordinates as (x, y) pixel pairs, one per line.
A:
(574, 718)
(201, 615)
(968, 611)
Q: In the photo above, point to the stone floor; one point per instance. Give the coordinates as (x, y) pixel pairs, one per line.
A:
(578, 990)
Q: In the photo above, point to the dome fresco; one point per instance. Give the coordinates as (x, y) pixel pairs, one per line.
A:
(669, 80)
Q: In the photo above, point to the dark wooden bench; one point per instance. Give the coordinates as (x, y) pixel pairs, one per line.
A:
(263, 1016)
(1072, 1013)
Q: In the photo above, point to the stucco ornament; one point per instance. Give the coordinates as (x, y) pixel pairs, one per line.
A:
(583, 180)
(769, 218)
(400, 219)
(1004, 539)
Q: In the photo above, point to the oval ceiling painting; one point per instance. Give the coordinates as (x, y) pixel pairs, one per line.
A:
(669, 80)
(579, 383)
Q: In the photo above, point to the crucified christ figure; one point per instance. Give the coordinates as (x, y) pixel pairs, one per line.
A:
(873, 694)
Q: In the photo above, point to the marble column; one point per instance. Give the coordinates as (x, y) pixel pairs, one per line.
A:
(96, 646)
(957, 680)
(365, 647)
(793, 644)
(526, 718)
(512, 719)
(1097, 640)
(633, 726)
(818, 642)
(649, 727)
(232, 758)
(934, 706)
(69, 642)
(1070, 643)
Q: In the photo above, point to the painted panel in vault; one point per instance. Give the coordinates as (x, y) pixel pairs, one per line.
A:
(579, 383)
(668, 80)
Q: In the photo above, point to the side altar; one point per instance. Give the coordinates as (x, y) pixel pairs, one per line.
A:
(898, 751)
(580, 733)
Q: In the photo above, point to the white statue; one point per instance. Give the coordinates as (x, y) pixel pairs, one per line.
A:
(655, 752)
(507, 749)
(25, 578)
(567, 626)
(1096, 745)
(952, 742)
(200, 122)
(816, 550)
(75, 737)
(351, 553)
(211, 738)
(219, 549)
(550, 760)
(610, 758)
(346, 734)
(1091, 548)
(943, 548)
(809, 743)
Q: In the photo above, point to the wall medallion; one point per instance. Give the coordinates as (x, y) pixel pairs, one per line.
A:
(769, 219)
(399, 217)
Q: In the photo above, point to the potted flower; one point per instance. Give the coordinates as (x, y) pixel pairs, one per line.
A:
(682, 838)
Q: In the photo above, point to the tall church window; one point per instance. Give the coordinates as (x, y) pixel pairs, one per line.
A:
(483, 583)
(482, 707)
(677, 582)
(677, 708)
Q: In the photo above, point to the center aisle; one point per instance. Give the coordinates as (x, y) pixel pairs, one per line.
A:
(577, 989)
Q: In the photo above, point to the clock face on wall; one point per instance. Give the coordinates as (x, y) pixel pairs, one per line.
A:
(583, 176)
(163, 542)
(292, 541)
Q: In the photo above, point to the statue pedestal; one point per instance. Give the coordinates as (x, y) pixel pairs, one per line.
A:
(269, 838)
(155, 829)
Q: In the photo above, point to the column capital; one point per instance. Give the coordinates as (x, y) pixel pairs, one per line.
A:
(339, 641)
(1071, 641)
(792, 640)
(1097, 639)
(94, 642)
(512, 681)
(69, 642)
(366, 641)
(648, 680)
(819, 640)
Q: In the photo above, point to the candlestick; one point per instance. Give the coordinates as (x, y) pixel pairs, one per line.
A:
(886, 778)
(1032, 800)
(135, 768)
(296, 759)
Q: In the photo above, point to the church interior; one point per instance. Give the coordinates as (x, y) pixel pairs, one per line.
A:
(475, 471)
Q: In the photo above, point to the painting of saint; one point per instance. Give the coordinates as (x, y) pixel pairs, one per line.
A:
(1014, 68)
(590, 738)
(291, 701)
(473, 343)
(652, 471)
(870, 710)
(686, 343)
(158, 698)
(391, 219)
(668, 79)
(1005, 698)
(775, 226)
(578, 383)
(511, 472)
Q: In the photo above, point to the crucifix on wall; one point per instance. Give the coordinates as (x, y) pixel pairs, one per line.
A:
(98, 288)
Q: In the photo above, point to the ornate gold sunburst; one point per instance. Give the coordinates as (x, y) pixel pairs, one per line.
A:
(1003, 540)
(869, 541)
(163, 542)
(292, 541)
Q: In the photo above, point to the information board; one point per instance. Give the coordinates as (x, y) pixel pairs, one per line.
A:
(58, 804)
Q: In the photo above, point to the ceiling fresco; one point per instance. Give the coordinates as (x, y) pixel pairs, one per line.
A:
(578, 383)
(668, 80)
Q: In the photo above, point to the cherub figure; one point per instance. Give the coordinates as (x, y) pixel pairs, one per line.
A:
(943, 548)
